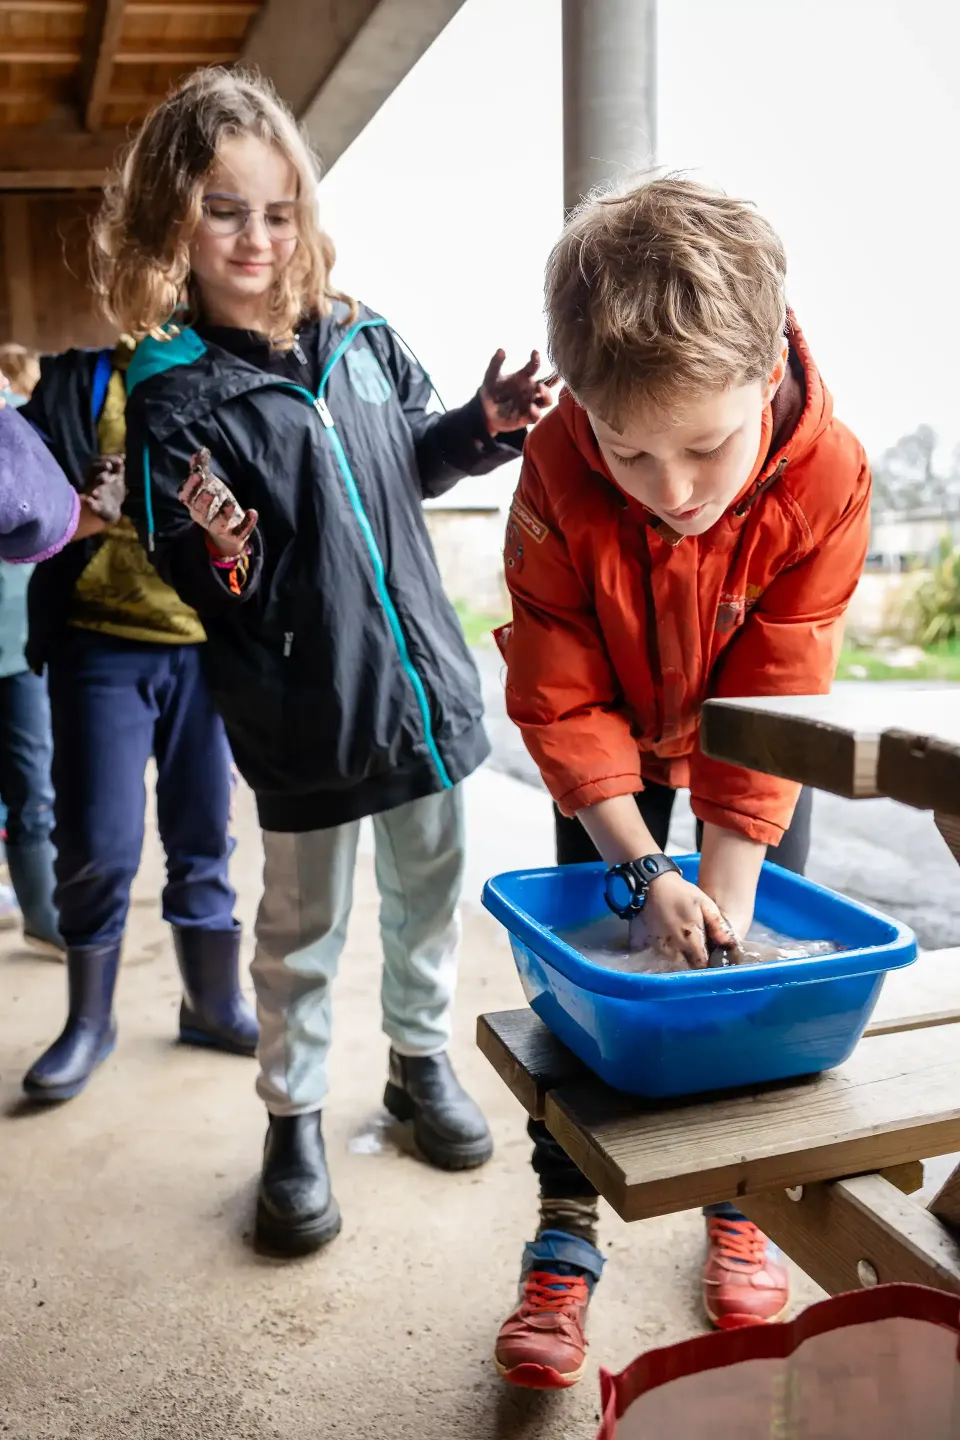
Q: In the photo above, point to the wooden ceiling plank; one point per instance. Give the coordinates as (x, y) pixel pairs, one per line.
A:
(43, 7)
(176, 57)
(36, 55)
(51, 179)
(32, 147)
(241, 8)
(104, 27)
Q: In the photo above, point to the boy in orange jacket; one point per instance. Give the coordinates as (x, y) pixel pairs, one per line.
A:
(690, 522)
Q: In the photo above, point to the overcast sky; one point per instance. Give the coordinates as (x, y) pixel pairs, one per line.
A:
(840, 118)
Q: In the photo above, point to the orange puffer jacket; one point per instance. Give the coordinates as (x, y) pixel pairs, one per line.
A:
(621, 630)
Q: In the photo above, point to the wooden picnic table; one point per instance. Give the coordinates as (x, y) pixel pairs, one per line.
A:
(825, 1164)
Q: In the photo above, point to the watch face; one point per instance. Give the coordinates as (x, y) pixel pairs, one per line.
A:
(620, 892)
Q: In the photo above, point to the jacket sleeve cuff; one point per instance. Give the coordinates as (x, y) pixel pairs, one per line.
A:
(591, 792)
(241, 578)
(753, 827)
(56, 545)
(467, 444)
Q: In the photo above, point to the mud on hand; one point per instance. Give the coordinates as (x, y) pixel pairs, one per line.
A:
(104, 487)
(214, 507)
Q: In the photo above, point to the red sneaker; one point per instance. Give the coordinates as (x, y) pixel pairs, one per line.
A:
(541, 1346)
(744, 1282)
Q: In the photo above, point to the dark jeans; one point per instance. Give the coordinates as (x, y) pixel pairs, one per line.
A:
(27, 796)
(559, 1177)
(115, 703)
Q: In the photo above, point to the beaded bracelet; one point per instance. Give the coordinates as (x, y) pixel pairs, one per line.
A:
(229, 562)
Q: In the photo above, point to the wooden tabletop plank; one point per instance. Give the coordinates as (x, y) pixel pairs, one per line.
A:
(532, 1061)
(920, 766)
(830, 742)
(528, 1057)
(895, 1099)
(930, 986)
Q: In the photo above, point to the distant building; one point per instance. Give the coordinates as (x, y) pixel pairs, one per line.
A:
(902, 540)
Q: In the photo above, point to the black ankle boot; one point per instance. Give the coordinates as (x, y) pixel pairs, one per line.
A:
(296, 1212)
(448, 1126)
(213, 1011)
(90, 1032)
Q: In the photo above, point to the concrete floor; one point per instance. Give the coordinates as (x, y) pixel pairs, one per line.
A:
(131, 1302)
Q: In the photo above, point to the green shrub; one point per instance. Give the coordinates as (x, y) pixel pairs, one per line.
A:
(935, 608)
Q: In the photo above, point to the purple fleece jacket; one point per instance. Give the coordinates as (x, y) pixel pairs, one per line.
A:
(39, 508)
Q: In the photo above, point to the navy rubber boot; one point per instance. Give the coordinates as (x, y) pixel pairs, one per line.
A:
(90, 1032)
(214, 1012)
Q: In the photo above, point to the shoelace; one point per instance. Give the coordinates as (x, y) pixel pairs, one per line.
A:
(546, 1294)
(739, 1240)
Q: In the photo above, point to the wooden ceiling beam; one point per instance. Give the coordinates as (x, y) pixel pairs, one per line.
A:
(176, 57)
(34, 180)
(36, 55)
(43, 7)
(240, 8)
(45, 159)
(104, 26)
(21, 56)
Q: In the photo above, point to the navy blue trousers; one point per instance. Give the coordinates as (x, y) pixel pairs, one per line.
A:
(114, 703)
(26, 794)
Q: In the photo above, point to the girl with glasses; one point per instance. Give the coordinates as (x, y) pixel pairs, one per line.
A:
(279, 448)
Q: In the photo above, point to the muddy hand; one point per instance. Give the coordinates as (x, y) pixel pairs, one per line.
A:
(683, 923)
(104, 488)
(512, 402)
(214, 507)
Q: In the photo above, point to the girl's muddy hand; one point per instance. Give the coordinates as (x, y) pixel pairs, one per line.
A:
(214, 507)
(512, 402)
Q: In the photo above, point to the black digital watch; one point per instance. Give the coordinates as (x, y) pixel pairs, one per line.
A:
(625, 888)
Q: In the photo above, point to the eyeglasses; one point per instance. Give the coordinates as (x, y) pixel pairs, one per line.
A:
(230, 215)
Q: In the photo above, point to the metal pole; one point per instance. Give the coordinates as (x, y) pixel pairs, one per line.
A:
(609, 92)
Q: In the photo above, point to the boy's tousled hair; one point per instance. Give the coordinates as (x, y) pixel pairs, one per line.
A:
(152, 206)
(663, 291)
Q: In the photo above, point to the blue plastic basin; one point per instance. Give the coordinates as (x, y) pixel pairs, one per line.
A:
(701, 1030)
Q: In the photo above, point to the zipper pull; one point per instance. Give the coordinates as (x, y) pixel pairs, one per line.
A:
(287, 643)
(298, 350)
(323, 410)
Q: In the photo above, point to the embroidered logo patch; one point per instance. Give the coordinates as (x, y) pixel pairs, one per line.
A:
(730, 613)
(366, 376)
(528, 521)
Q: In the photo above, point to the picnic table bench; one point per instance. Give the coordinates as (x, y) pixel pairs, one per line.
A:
(826, 1165)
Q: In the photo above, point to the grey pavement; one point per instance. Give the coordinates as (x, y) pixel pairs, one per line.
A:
(876, 851)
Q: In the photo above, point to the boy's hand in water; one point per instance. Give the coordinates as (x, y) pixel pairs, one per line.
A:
(680, 921)
(511, 402)
(215, 509)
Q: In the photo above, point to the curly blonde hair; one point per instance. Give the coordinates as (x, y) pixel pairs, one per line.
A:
(661, 291)
(152, 206)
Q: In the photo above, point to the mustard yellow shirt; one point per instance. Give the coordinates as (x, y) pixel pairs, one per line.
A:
(119, 592)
